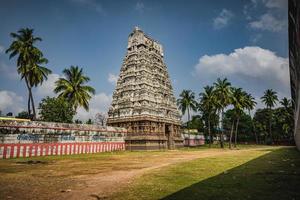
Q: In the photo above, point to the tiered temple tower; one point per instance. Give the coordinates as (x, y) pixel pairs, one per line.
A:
(143, 101)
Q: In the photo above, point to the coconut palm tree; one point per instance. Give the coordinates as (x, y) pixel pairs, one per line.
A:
(223, 94)
(73, 88)
(28, 61)
(207, 105)
(239, 107)
(286, 103)
(37, 75)
(250, 105)
(287, 116)
(187, 102)
(236, 99)
(269, 99)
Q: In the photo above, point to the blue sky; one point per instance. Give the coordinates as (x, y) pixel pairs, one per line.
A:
(243, 40)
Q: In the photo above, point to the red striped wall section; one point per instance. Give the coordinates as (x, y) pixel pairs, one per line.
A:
(56, 149)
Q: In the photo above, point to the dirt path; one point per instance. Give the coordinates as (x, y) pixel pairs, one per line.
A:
(102, 185)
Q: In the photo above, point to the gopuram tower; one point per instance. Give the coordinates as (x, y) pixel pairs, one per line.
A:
(143, 101)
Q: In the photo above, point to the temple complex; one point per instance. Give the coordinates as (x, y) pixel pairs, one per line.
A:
(143, 101)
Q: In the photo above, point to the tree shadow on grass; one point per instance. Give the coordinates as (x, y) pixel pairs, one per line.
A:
(275, 175)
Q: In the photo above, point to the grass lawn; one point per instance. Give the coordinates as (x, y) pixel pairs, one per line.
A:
(260, 174)
(253, 172)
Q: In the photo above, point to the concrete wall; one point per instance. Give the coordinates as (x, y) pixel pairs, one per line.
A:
(26, 139)
(193, 140)
(294, 59)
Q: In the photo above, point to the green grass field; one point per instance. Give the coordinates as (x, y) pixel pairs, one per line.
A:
(260, 174)
(253, 172)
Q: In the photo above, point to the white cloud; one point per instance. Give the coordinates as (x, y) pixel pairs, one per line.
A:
(10, 102)
(274, 18)
(222, 19)
(140, 7)
(252, 68)
(2, 49)
(254, 39)
(8, 71)
(269, 22)
(92, 4)
(112, 78)
(281, 4)
(46, 89)
(99, 103)
(246, 12)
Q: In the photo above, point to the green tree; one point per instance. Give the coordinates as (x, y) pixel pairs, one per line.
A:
(223, 96)
(29, 62)
(187, 102)
(56, 110)
(269, 99)
(250, 104)
(196, 123)
(261, 122)
(77, 121)
(284, 122)
(89, 121)
(244, 128)
(23, 115)
(207, 106)
(73, 88)
(238, 102)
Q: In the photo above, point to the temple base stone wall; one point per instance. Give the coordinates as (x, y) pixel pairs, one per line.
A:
(150, 135)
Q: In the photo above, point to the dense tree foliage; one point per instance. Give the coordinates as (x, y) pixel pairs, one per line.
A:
(245, 129)
(269, 125)
(223, 95)
(281, 122)
(23, 115)
(270, 99)
(195, 123)
(56, 110)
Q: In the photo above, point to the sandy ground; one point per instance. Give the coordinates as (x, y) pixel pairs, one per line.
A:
(102, 185)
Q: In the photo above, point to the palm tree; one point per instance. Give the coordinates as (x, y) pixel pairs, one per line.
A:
(187, 102)
(287, 116)
(269, 99)
(240, 97)
(37, 75)
(223, 93)
(250, 105)
(236, 98)
(28, 61)
(286, 103)
(207, 102)
(72, 87)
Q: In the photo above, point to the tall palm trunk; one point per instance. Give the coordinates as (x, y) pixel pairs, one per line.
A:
(270, 124)
(29, 98)
(253, 128)
(231, 133)
(222, 133)
(188, 126)
(32, 104)
(236, 130)
(209, 133)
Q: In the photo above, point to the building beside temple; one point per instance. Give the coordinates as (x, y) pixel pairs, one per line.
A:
(143, 101)
(294, 57)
